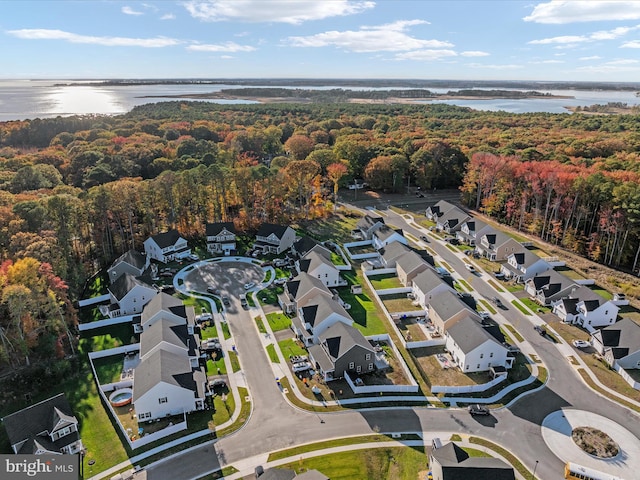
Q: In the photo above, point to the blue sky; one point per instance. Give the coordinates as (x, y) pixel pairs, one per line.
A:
(531, 40)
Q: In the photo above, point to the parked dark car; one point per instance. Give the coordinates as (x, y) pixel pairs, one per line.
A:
(225, 300)
(497, 302)
(213, 290)
(478, 409)
(540, 329)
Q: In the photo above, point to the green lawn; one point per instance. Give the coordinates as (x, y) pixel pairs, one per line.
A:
(278, 321)
(389, 280)
(215, 366)
(465, 285)
(533, 306)
(366, 315)
(520, 307)
(273, 356)
(487, 306)
(337, 259)
(290, 347)
(397, 463)
(602, 292)
(108, 369)
(105, 338)
(515, 333)
(336, 227)
(269, 296)
(260, 324)
(398, 303)
(495, 285)
(268, 275)
(225, 330)
(209, 332)
(514, 287)
(235, 363)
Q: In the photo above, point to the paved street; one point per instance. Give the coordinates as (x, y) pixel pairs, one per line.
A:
(274, 424)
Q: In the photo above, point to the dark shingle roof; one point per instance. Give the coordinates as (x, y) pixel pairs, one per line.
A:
(28, 424)
(304, 244)
(385, 232)
(570, 305)
(458, 465)
(167, 331)
(303, 283)
(368, 221)
(624, 333)
(124, 284)
(163, 302)
(132, 257)
(166, 239)
(267, 229)
(214, 229)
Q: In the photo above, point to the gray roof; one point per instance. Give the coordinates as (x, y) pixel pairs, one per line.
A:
(313, 259)
(622, 334)
(497, 238)
(410, 261)
(454, 216)
(526, 258)
(591, 299)
(446, 304)
(393, 250)
(368, 221)
(440, 207)
(385, 232)
(339, 338)
(278, 474)
(133, 258)
(458, 465)
(475, 225)
(551, 283)
(163, 366)
(312, 475)
(469, 334)
(163, 302)
(319, 308)
(480, 232)
(303, 283)
(321, 357)
(427, 280)
(29, 423)
(166, 239)
(167, 331)
(214, 229)
(124, 284)
(267, 229)
(570, 305)
(304, 244)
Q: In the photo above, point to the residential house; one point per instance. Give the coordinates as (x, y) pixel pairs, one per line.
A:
(445, 309)
(303, 245)
(132, 262)
(288, 474)
(221, 237)
(468, 229)
(586, 308)
(408, 266)
(342, 348)
(128, 295)
(275, 239)
(451, 220)
(521, 266)
(385, 235)
(317, 263)
(391, 252)
(369, 224)
(450, 462)
(549, 286)
(316, 315)
(166, 335)
(165, 383)
(497, 246)
(619, 344)
(48, 427)
(299, 290)
(436, 211)
(426, 285)
(472, 347)
(167, 247)
(164, 306)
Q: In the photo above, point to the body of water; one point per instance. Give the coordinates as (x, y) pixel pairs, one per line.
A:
(23, 99)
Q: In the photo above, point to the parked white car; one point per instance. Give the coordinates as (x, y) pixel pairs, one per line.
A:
(470, 267)
(581, 344)
(248, 286)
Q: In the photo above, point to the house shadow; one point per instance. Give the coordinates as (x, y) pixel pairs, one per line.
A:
(210, 458)
(536, 406)
(394, 421)
(486, 420)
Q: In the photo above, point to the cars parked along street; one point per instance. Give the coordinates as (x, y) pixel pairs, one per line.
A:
(478, 409)
(581, 344)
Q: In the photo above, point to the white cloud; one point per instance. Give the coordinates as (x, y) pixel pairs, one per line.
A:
(226, 57)
(563, 11)
(474, 53)
(388, 38)
(544, 62)
(632, 44)
(592, 57)
(221, 47)
(280, 11)
(560, 40)
(612, 34)
(130, 11)
(425, 55)
(622, 61)
(168, 16)
(45, 34)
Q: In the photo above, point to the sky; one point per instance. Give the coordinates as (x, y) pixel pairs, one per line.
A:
(468, 40)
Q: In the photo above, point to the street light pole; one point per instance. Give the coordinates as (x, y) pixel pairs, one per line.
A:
(535, 467)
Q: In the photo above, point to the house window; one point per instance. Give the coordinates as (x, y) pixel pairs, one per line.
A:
(467, 367)
(163, 400)
(359, 368)
(326, 275)
(64, 431)
(367, 356)
(371, 366)
(491, 355)
(142, 416)
(482, 355)
(351, 365)
(478, 367)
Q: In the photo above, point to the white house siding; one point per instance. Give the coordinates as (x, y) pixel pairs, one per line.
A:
(602, 316)
(630, 362)
(330, 276)
(179, 400)
(136, 299)
(479, 359)
(425, 297)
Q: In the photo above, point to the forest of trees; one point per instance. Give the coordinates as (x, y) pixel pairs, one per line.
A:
(76, 192)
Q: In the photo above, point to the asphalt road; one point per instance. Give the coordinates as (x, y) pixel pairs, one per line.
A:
(274, 424)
